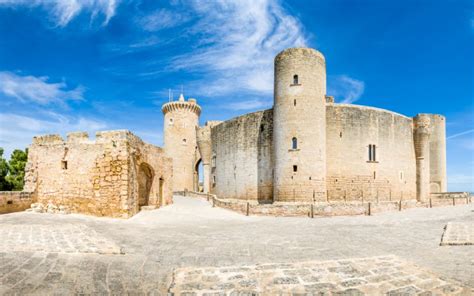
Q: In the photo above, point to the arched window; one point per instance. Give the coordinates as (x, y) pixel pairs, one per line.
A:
(294, 143)
(295, 79)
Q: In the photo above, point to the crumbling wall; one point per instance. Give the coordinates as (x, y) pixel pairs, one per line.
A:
(94, 177)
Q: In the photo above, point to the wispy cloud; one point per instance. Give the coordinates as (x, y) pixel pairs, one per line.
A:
(460, 134)
(17, 131)
(346, 88)
(37, 89)
(237, 43)
(162, 19)
(63, 11)
(252, 104)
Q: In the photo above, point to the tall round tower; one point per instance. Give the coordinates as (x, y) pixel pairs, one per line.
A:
(421, 134)
(181, 121)
(299, 126)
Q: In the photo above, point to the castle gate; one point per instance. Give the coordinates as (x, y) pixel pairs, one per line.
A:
(145, 179)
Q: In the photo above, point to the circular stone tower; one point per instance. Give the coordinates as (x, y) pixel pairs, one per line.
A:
(181, 121)
(299, 126)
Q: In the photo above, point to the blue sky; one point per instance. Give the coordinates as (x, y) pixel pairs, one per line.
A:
(108, 64)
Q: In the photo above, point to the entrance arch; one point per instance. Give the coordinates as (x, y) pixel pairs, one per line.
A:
(197, 167)
(145, 180)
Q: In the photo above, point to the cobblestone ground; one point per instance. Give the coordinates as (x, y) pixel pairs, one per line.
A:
(383, 275)
(458, 233)
(48, 254)
(64, 238)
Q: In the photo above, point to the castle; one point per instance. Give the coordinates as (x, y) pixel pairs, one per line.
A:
(307, 148)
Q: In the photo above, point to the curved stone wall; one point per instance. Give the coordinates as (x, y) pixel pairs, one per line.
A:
(241, 164)
(350, 173)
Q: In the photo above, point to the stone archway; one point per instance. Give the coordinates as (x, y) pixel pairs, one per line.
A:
(145, 180)
(196, 176)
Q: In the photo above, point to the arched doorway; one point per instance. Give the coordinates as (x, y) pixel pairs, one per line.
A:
(145, 179)
(198, 176)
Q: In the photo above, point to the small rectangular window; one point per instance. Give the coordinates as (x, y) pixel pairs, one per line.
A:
(295, 168)
(64, 165)
(372, 152)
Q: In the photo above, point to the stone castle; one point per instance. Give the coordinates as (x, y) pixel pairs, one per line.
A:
(306, 149)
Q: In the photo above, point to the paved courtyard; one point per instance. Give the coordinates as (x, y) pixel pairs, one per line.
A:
(65, 254)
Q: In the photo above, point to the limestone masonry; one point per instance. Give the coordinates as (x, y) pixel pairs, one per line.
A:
(307, 148)
(305, 153)
(115, 175)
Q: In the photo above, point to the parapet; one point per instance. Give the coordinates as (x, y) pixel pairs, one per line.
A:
(77, 137)
(116, 135)
(189, 105)
(299, 52)
(54, 139)
(329, 99)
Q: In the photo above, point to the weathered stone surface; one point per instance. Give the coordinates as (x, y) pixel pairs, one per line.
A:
(111, 176)
(458, 233)
(328, 277)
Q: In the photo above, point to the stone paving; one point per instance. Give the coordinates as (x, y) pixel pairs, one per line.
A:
(382, 275)
(458, 233)
(35, 257)
(67, 238)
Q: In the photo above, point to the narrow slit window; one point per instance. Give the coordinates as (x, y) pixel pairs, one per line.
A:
(295, 79)
(375, 175)
(295, 168)
(372, 155)
(294, 102)
(294, 143)
(64, 165)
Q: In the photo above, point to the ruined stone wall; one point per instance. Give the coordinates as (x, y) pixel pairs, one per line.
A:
(241, 164)
(15, 201)
(350, 174)
(96, 177)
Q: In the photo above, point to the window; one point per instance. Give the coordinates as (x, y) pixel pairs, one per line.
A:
(213, 162)
(372, 152)
(375, 175)
(295, 79)
(294, 143)
(294, 102)
(171, 121)
(295, 168)
(184, 141)
(64, 165)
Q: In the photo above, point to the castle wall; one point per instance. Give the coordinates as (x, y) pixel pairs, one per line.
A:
(350, 174)
(96, 177)
(242, 163)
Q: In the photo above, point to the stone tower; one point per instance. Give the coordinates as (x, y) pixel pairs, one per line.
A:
(438, 153)
(181, 121)
(299, 126)
(421, 134)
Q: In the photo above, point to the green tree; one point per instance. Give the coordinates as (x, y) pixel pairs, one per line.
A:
(16, 167)
(4, 184)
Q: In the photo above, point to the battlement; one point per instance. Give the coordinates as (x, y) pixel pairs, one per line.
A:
(299, 52)
(53, 139)
(78, 137)
(189, 105)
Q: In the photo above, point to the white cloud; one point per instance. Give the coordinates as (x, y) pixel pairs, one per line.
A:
(17, 131)
(162, 19)
(36, 89)
(252, 104)
(237, 43)
(460, 134)
(63, 11)
(345, 87)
